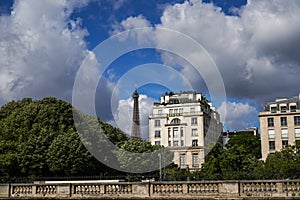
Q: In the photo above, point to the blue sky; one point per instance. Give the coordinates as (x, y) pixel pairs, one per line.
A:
(255, 46)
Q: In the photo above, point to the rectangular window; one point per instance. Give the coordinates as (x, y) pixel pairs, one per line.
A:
(283, 121)
(194, 121)
(284, 143)
(297, 120)
(273, 109)
(195, 160)
(176, 112)
(157, 134)
(182, 161)
(284, 133)
(160, 112)
(192, 110)
(283, 109)
(169, 143)
(194, 132)
(181, 132)
(194, 143)
(293, 108)
(157, 123)
(182, 143)
(297, 132)
(180, 110)
(271, 145)
(270, 122)
(171, 111)
(271, 134)
(157, 143)
(175, 133)
(175, 143)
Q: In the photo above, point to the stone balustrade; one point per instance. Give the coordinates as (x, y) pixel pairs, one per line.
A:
(191, 189)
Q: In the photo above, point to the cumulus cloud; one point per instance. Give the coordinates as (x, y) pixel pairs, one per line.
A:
(123, 114)
(257, 52)
(41, 49)
(238, 115)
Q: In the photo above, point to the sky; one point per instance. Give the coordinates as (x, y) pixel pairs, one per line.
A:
(253, 45)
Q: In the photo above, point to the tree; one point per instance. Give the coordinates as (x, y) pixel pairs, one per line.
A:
(39, 138)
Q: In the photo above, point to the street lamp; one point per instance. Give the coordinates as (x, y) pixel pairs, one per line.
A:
(159, 156)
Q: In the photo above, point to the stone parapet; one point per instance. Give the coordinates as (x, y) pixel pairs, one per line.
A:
(155, 190)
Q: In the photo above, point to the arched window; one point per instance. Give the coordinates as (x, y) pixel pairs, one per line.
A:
(175, 121)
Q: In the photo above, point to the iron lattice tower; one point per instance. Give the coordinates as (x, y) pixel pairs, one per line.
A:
(135, 131)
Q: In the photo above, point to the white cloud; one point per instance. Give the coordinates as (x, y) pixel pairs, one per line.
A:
(123, 114)
(238, 115)
(256, 52)
(40, 49)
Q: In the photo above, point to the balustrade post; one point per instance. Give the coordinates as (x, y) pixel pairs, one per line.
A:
(185, 188)
(102, 189)
(279, 186)
(4, 190)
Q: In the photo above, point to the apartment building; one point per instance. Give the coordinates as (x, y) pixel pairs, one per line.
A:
(187, 124)
(279, 125)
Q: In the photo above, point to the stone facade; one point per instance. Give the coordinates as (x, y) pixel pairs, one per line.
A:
(187, 124)
(279, 125)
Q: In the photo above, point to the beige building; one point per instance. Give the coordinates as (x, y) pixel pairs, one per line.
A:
(187, 124)
(279, 125)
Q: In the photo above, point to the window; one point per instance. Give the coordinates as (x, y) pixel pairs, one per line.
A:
(293, 108)
(271, 134)
(192, 110)
(157, 143)
(271, 145)
(283, 121)
(273, 109)
(194, 143)
(175, 121)
(180, 110)
(297, 132)
(160, 112)
(182, 143)
(284, 133)
(297, 120)
(194, 121)
(175, 111)
(171, 111)
(169, 143)
(175, 143)
(195, 160)
(175, 133)
(284, 143)
(157, 134)
(181, 132)
(194, 132)
(270, 122)
(283, 109)
(182, 161)
(157, 123)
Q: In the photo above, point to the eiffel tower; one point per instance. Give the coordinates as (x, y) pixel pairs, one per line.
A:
(135, 131)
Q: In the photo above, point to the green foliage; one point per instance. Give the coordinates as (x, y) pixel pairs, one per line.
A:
(239, 160)
(138, 154)
(38, 138)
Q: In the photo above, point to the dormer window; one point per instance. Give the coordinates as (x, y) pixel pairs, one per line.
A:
(283, 109)
(273, 109)
(293, 108)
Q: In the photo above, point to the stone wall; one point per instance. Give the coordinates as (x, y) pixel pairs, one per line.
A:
(171, 190)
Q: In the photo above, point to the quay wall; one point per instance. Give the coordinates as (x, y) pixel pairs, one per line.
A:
(246, 189)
